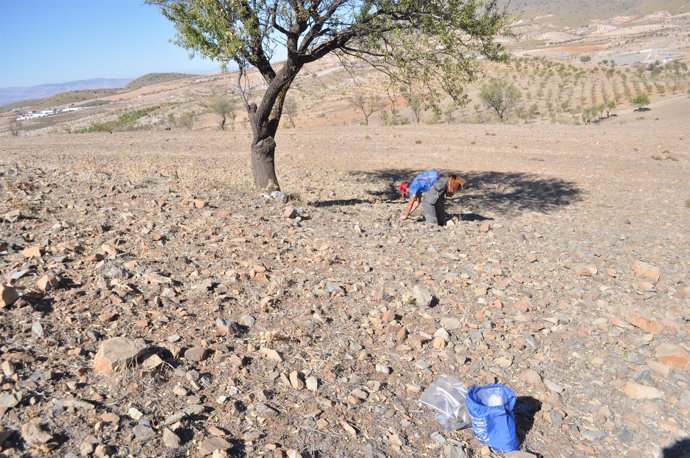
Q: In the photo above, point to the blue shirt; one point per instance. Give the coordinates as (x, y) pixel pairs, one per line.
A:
(423, 182)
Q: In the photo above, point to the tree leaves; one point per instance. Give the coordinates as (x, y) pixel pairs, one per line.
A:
(436, 42)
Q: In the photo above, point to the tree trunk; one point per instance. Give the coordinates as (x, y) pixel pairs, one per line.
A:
(265, 120)
(263, 165)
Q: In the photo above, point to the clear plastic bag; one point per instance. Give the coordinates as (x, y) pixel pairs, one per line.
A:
(447, 396)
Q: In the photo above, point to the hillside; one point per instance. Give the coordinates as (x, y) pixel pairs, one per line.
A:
(76, 97)
(577, 13)
(155, 78)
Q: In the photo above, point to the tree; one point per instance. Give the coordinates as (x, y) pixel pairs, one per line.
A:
(640, 101)
(436, 42)
(500, 96)
(225, 107)
(589, 114)
(610, 106)
(290, 109)
(367, 104)
(415, 101)
(448, 111)
(14, 127)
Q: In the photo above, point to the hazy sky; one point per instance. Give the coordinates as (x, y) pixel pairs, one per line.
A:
(55, 41)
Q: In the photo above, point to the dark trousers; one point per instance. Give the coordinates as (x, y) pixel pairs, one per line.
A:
(434, 202)
(435, 213)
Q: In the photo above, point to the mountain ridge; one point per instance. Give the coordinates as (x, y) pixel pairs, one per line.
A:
(13, 94)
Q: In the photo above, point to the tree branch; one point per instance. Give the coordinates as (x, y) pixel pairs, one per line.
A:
(319, 22)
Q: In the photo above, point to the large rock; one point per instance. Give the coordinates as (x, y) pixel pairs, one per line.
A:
(9, 400)
(211, 444)
(196, 354)
(451, 324)
(673, 355)
(422, 296)
(32, 252)
(531, 377)
(646, 324)
(35, 434)
(170, 439)
(116, 353)
(48, 282)
(637, 391)
(8, 295)
(644, 270)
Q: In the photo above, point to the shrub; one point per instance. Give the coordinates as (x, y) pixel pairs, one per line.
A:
(186, 119)
(225, 107)
(500, 96)
(610, 105)
(640, 101)
(14, 127)
(590, 114)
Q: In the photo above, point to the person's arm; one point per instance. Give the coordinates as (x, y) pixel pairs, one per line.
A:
(412, 205)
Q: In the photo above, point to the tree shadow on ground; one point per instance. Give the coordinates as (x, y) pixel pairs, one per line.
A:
(339, 202)
(469, 217)
(495, 192)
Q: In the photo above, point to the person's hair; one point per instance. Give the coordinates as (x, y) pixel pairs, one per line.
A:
(454, 182)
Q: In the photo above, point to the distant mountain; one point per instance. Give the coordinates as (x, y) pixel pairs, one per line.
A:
(571, 12)
(14, 94)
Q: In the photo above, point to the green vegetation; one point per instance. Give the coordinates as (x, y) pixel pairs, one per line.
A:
(500, 96)
(589, 114)
(610, 106)
(666, 157)
(393, 117)
(640, 101)
(575, 93)
(225, 107)
(121, 123)
(415, 101)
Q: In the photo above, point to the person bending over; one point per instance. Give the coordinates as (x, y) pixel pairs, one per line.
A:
(430, 189)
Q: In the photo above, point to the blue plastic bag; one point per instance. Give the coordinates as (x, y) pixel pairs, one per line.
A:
(493, 420)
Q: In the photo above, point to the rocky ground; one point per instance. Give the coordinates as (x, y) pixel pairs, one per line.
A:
(154, 305)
